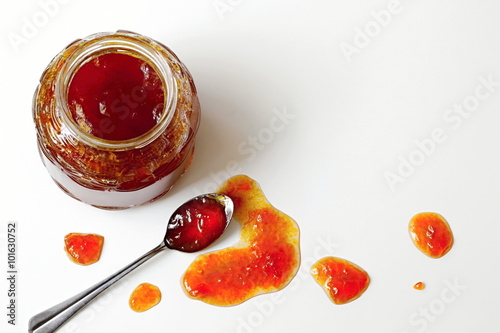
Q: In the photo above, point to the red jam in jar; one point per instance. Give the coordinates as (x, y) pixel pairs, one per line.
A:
(116, 115)
(116, 97)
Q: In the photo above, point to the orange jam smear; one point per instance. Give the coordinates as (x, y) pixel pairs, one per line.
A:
(83, 249)
(265, 260)
(144, 297)
(419, 286)
(342, 280)
(431, 234)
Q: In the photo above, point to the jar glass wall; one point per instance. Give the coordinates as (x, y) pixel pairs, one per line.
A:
(116, 115)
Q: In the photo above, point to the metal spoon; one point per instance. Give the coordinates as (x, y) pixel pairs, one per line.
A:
(184, 229)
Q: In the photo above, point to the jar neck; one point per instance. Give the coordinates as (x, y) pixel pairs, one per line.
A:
(125, 43)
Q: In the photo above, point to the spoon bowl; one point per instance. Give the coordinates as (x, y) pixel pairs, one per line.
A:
(196, 224)
(199, 222)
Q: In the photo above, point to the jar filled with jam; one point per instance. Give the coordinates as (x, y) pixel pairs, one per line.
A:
(116, 115)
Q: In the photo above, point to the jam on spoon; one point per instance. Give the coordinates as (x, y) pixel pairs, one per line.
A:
(196, 225)
(52, 318)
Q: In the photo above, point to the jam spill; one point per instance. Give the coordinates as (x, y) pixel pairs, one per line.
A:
(431, 234)
(144, 297)
(419, 286)
(83, 249)
(342, 280)
(265, 260)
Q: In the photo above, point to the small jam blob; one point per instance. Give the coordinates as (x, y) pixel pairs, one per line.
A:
(83, 249)
(116, 96)
(419, 286)
(196, 224)
(342, 280)
(431, 234)
(265, 260)
(144, 297)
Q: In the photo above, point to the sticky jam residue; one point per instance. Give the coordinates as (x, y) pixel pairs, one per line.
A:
(116, 141)
(431, 234)
(419, 286)
(196, 224)
(116, 96)
(265, 260)
(342, 280)
(144, 297)
(83, 249)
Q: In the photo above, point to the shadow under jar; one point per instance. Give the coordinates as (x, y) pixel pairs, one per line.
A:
(116, 115)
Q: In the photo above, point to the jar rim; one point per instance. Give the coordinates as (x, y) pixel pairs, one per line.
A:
(117, 42)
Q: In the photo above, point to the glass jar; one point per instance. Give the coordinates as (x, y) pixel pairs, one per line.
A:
(122, 171)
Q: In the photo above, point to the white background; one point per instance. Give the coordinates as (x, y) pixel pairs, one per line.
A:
(352, 118)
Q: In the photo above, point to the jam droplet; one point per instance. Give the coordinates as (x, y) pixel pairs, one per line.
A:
(83, 249)
(265, 260)
(342, 280)
(419, 286)
(116, 96)
(144, 297)
(431, 234)
(196, 224)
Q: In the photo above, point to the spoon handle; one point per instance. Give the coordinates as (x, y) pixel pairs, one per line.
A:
(51, 319)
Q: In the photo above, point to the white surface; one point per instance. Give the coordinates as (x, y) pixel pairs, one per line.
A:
(350, 122)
